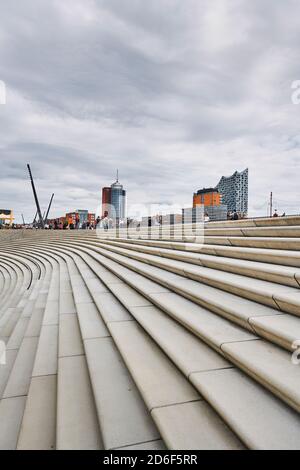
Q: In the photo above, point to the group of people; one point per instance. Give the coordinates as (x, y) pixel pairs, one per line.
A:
(106, 223)
(277, 215)
(59, 225)
(232, 215)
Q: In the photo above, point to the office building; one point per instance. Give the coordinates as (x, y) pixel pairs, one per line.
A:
(199, 212)
(91, 218)
(106, 201)
(207, 197)
(6, 217)
(114, 201)
(83, 215)
(118, 196)
(71, 218)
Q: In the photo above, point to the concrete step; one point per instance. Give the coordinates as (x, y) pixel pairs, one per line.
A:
(173, 343)
(76, 424)
(279, 243)
(121, 423)
(177, 290)
(279, 274)
(274, 232)
(270, 366)
(164, 389)
(149, 394)
(270, 256)
(123, 417)
(39, 420)
(260, 419)
(18, 376)
(142, 344)
(280, 297)
(280, 357)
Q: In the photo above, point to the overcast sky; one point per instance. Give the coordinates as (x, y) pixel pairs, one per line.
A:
(174, 93)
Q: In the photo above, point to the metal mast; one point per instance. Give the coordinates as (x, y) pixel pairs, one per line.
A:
(34, 219)
(48, 210)
(36, 198)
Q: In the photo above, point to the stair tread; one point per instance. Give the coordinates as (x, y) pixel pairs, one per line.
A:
(265, 271)
(194, 425)
(159, 382)
(19, 379)
(131, 344)
(70, 340)
(46, 354)
(229, 305)
(11, 413)
(39, 421)
(77, 426)
(122, 413)
(258, 418)
(270, 365)
(186, 350)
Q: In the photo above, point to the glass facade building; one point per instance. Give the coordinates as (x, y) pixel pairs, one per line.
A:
(118, 199)
(234, 190)
(83, 216)
(114, 201)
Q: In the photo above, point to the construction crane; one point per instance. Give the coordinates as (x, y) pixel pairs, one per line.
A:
(41, 220)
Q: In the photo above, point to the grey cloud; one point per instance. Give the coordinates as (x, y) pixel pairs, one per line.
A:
(172, 93)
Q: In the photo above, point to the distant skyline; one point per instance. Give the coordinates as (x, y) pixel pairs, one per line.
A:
(175, 94)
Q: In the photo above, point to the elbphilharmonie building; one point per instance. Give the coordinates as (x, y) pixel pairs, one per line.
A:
(234, 190)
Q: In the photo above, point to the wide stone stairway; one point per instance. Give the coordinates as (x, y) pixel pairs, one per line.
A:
(117, 343)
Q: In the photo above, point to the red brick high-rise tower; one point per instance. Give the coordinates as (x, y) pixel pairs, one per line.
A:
(106, 201)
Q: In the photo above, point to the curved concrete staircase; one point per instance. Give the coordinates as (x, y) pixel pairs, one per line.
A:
(116, 343)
